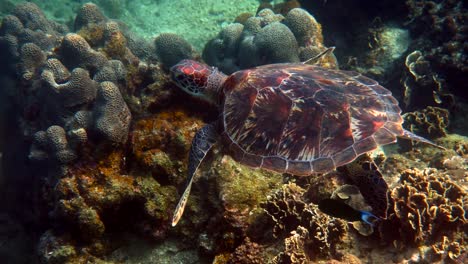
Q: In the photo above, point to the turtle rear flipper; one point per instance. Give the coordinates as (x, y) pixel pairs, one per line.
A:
(366, 176)
(203, 141)
(411, 136)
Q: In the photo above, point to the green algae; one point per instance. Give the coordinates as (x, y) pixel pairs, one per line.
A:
(159, 200)
(243, 188)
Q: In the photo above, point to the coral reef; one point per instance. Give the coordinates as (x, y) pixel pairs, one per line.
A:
(267, 38)
(312, 233)
(172, 48)
(112, 114)
(108, 135)
(68, 75)
(294, 251)
(279, 7)
(427, 207)
(440, 34)
(53, 144)
(93, 201)
(248, 252)
(431, 122)
(159, 141)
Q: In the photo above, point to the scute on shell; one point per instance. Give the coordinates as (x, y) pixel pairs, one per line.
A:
(303, 119)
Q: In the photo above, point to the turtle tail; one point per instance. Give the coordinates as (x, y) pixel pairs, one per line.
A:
(411, 136)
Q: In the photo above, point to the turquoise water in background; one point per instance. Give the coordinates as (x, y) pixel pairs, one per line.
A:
(199, 21)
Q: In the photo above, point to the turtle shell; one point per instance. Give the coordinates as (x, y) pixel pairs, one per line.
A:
(304, 119)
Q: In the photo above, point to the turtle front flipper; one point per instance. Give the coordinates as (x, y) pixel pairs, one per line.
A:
(203, 141)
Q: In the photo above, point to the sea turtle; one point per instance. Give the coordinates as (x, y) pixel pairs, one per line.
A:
(289, 117)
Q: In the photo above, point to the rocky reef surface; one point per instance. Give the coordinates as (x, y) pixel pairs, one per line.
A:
(94, 139)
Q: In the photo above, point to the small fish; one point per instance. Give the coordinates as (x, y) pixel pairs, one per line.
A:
(340, 209)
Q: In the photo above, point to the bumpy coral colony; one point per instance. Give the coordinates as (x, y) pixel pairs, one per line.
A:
(109, 141)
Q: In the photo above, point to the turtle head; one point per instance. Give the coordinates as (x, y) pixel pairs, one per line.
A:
(198, 79)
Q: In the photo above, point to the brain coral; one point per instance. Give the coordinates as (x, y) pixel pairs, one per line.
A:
(88, 14)
(79, 89)
(32, 58)
(304, 26)
(112, 114)
(172, 48)
(277, 43)
(76, 52)
(266, 38)
(61, 74)
(52, 144)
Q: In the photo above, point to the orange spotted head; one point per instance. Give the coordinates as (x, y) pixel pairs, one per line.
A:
(198, 79)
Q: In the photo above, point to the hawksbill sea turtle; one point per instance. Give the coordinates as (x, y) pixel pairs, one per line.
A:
(290, 118)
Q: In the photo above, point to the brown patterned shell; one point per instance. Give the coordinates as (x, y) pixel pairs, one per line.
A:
(304, 119)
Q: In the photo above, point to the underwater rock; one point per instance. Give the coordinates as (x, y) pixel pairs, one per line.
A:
(55, 248)
(93, 199)
(138, 251)
(52, 249)
(266, 38)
